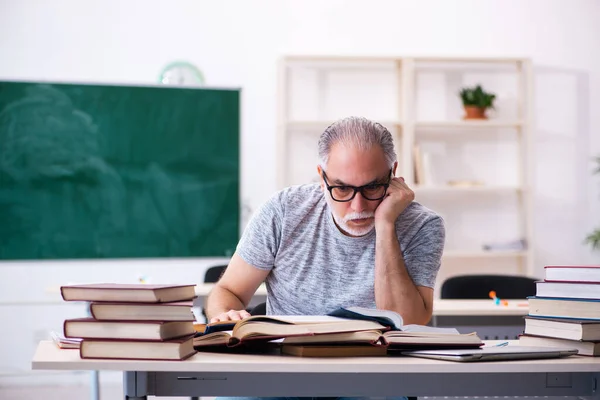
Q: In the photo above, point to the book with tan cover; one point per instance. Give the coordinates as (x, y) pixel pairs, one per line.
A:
(333, 350)
(263, 328)
(174, 349)
(136, 293)
(113, 311)
(89, 328)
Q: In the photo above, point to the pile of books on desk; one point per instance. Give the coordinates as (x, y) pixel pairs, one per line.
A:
(565, 311)
(132, 321)
(349, 331)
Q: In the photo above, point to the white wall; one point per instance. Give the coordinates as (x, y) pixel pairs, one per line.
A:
(237, 43)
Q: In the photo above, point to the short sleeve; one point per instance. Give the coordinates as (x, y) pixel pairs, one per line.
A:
(423, 254)
(260, 240)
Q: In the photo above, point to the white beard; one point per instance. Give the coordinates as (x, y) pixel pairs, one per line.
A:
(343, 222)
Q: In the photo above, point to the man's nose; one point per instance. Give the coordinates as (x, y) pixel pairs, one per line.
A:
(359, 203)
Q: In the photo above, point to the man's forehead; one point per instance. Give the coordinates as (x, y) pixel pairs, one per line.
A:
(357, 178)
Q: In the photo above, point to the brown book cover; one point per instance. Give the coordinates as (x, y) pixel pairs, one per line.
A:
(175, 349)
(136, 293)
(333, 350)
(114, 311)
(88, 328)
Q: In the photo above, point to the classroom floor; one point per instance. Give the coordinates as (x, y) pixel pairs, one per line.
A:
(115, 392)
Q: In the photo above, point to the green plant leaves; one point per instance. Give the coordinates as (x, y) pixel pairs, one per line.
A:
(477, 97)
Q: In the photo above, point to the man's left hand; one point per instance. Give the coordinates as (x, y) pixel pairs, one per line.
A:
(397, 198)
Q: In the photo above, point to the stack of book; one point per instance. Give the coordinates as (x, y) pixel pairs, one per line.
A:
(133, 321)
(565, 312)
(351, 331)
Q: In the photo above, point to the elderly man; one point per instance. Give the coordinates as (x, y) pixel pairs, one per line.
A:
(357, 238)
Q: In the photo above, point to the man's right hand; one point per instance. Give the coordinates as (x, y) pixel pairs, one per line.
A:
(231, 315)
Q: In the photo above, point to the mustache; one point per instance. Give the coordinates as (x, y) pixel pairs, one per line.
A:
(360, 215)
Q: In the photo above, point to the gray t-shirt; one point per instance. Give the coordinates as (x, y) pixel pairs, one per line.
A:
(315, 268)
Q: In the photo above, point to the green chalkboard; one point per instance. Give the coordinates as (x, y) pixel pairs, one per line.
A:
(100, 171)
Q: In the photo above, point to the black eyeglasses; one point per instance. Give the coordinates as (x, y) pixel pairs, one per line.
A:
(343, 193)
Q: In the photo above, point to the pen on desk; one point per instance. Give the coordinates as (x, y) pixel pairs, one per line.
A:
(500, 344)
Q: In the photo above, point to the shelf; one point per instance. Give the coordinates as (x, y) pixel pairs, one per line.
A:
(461, 189)
(484, 254)
(478, 124)
(325, 123)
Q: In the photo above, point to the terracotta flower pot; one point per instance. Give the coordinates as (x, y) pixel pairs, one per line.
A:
(472, 112)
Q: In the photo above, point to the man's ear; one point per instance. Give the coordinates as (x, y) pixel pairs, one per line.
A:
(394, 168)
(320, 172)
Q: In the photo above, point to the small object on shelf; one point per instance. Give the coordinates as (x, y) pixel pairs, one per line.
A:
(497, 300)
(476, 101)
(515, 245)
(465, 183)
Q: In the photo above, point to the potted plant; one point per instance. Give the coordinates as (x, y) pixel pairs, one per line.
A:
(476, 101)
(593, 238)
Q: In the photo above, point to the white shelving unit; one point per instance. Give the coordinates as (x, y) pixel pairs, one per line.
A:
(417, 100)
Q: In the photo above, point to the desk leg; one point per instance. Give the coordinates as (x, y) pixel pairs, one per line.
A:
(135, 385)
(94, 385)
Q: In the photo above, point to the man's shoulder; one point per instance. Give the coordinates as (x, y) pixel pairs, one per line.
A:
(299, 194)
(416, 216)
(297, 198)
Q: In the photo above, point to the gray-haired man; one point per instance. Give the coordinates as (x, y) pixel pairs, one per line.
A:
(355, 239)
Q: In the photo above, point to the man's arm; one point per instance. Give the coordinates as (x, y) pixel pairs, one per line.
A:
(394, 288)
(232, 293)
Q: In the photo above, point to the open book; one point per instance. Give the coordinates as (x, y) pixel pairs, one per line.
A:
(345, 326)
(410, 337)
(263, 328)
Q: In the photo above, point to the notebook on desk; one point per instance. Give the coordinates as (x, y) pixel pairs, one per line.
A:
(494, 353)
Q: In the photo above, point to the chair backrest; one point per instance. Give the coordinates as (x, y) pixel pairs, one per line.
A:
(479, 287)
(213, 274)
(259, 309)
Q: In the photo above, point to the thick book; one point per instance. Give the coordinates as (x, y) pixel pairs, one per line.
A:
(572, 273)
(564, 328)
(585, 348)
(389, 319)
(564, 308)
(412, 336)
(136, 293)
(572, 290)
(175, 349)
(333, 350)
(267, 328)
(111, 311)
(88, 328)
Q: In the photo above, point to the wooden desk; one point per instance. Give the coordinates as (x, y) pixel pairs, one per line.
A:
(211, 374)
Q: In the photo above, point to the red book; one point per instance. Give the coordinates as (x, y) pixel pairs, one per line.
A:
(175, 311)
(136, 293)
(176, 349)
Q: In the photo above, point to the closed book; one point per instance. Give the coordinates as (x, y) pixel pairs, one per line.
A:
(174, 349)
(565, 328)
(136, 293)
(333, 350)
(136, 330)
(572, 273)
(572, 290)
(585, 348)
(111, 311)
(564, 308)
